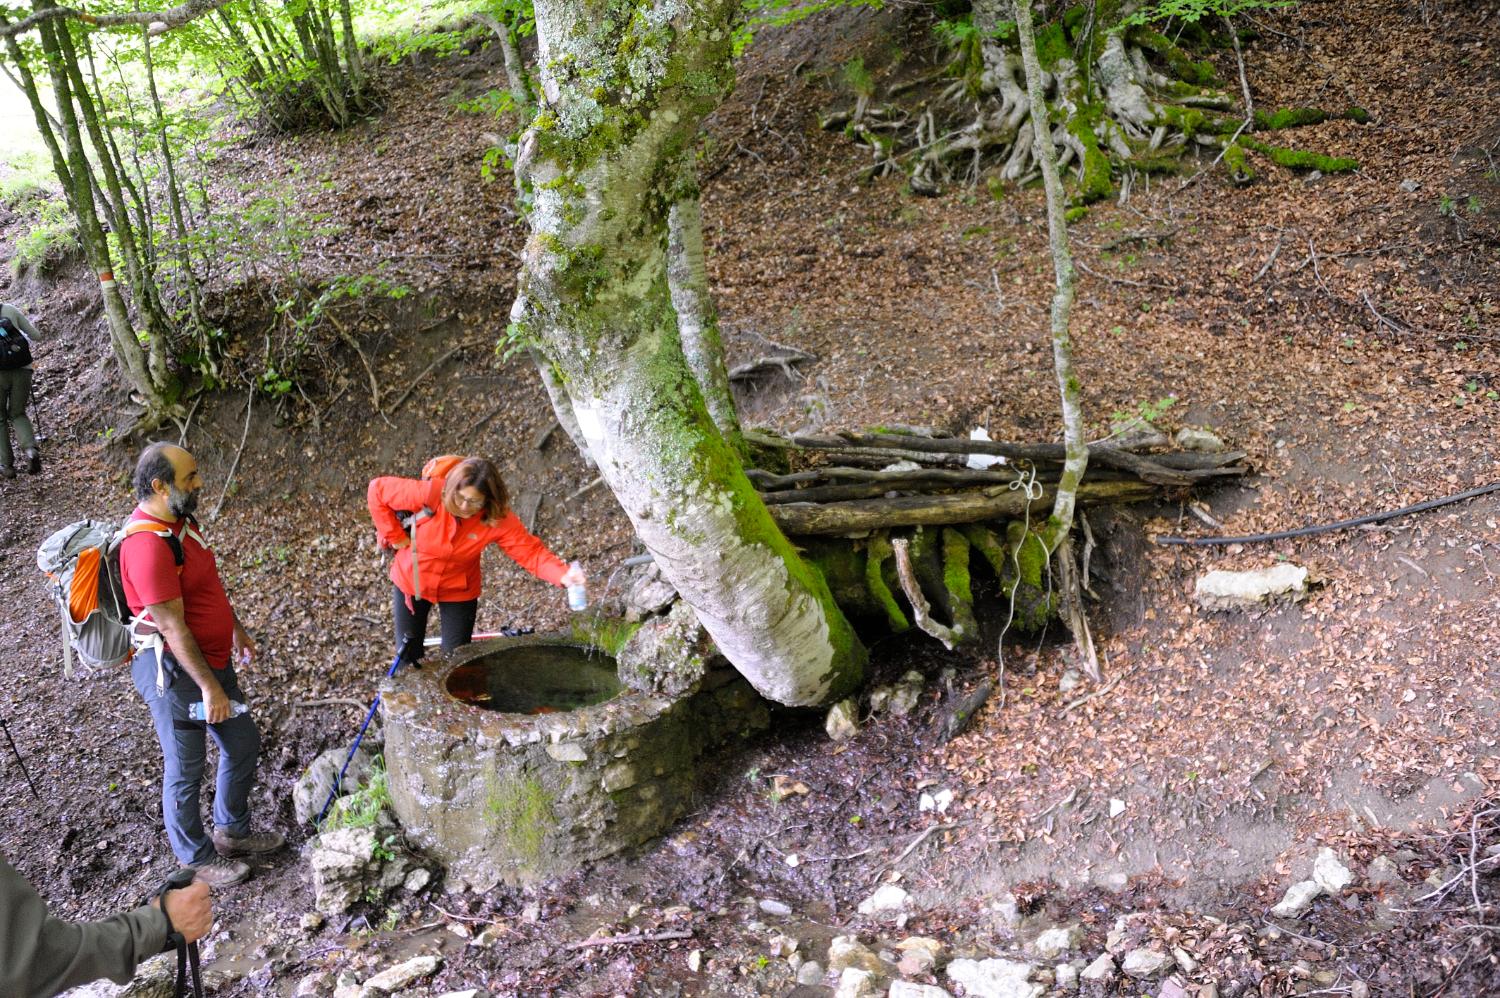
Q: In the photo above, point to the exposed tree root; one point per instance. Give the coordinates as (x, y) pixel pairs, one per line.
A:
(1123, 102)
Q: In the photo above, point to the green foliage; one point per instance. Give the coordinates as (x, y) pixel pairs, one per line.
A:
(776, 13)
(27, 182)
(361, 809)
(1148, 412)
(1193, 11)
(857, 78)
(52, 238)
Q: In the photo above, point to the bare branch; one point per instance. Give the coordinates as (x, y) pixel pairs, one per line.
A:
(157, 21)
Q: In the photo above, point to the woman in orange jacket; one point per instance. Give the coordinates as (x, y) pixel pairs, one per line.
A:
(461, 508)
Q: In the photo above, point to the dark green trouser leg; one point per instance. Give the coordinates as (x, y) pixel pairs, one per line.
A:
(15, 392)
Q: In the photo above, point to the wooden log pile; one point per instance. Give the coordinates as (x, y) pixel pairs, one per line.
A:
(859, 491)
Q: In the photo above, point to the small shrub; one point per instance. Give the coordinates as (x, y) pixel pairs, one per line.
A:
(361, 809)
(52, 238)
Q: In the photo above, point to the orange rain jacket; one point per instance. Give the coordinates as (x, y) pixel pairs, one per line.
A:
(448, 547)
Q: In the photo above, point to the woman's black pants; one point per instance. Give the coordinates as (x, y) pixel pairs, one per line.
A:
(456, 621)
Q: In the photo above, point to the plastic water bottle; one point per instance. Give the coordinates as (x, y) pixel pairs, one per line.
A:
(578, 597)
(197, 709)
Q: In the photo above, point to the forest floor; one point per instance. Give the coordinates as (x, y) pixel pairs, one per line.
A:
(1343, 330)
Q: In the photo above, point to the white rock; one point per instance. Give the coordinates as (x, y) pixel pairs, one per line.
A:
(343, 863)
(1009, 911)
(1147, 964)
(402, 974)
(466, 993)
(856, 983)
(1116, 807)
(1192, 438)
(846, 951)
(310, 792)
(695, 960)
(1383, 872)
(1298, 898)
(417, 879)
(904, 699)
(810, 973)
(1066, 976)
(1184, 959)
(919, 954)
(939, 802)
(994, 978)
(312, 985)
(773, 907)
(887, 897)
(843, 721)
(1329, 873)
(906, 989)
(311, 922)
(1221, 590)
(1055, 942)
(1101, 971)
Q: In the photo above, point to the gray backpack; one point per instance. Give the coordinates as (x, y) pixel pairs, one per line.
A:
(82, 565)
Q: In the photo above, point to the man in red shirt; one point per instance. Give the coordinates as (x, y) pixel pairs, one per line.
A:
(184, 597)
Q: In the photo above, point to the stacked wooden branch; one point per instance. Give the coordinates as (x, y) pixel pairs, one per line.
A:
(934, 486)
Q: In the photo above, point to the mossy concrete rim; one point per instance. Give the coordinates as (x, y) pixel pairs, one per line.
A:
(420, 699)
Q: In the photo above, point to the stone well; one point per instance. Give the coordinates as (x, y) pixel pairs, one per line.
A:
(517, 759)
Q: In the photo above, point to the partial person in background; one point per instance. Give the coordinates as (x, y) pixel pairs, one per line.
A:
(16, 336)
(460, 507)
(41, 956)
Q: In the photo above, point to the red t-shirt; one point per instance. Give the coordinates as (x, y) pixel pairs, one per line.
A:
(150, 575)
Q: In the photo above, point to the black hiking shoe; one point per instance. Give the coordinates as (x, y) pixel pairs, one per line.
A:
(33, 462)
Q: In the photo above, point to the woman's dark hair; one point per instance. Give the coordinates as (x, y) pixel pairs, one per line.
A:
(478, 473)
(153, 466)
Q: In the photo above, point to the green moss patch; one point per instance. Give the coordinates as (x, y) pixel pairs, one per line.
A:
(522, 811)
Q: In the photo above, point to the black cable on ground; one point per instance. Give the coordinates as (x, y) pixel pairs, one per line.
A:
(1326, 528)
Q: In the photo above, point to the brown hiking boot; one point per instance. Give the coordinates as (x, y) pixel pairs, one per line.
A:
(247, 845)
(220, 872)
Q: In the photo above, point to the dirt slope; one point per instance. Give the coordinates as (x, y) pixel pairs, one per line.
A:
(1341, 329)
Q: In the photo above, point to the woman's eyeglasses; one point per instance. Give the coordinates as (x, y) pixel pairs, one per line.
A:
(459, 499)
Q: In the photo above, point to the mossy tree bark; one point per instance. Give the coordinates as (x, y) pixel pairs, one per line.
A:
(625, 87)
(697, 318)
(149, 380)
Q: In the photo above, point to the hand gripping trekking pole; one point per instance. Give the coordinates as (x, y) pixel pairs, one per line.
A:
(19, 761)
(187, 953)
(333, 792)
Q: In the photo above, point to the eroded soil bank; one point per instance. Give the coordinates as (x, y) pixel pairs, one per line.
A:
(1361, 720)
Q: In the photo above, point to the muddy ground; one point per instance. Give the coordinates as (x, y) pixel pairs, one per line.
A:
(1341, 329)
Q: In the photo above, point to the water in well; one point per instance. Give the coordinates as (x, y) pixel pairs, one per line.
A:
(535, 679)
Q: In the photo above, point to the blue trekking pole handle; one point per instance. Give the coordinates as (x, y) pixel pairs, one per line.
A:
(374, 706)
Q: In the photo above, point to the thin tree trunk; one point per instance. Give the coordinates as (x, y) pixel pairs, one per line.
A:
(1062, 299)
(697, 318)
(128, 351)
(1060, 524)
(174, 189)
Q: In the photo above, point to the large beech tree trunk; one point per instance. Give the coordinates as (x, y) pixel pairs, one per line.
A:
(625, 87)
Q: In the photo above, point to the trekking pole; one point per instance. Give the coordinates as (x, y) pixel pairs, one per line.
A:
(32, 404)
(374, 706)
(188, 959)
(21, 762)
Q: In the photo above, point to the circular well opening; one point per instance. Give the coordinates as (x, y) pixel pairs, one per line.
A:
(535, 679)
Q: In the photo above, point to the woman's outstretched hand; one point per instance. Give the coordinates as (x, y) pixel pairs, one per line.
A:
(574, 576)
